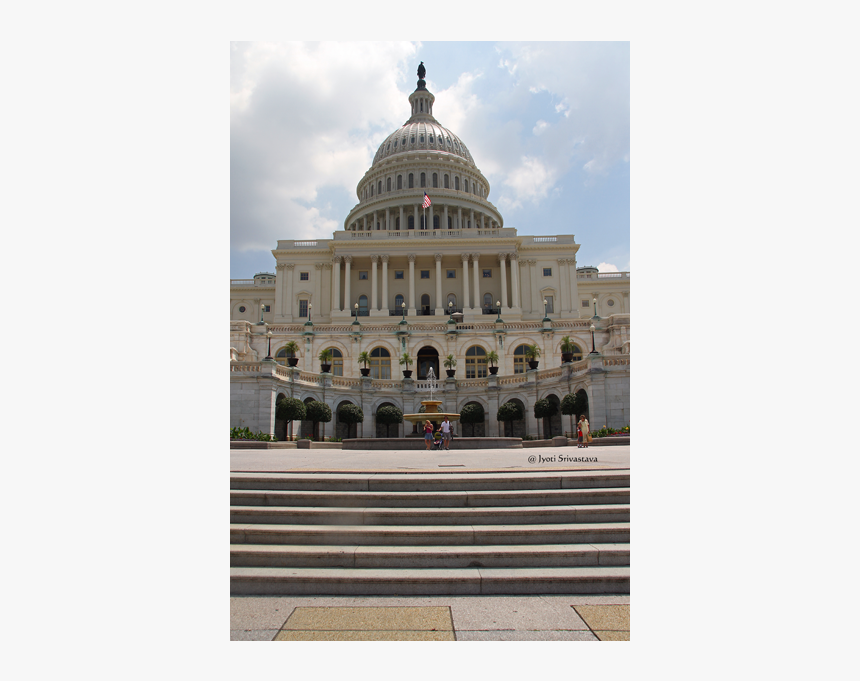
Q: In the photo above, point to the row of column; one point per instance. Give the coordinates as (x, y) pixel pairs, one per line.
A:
(465, 257)
(388, 222)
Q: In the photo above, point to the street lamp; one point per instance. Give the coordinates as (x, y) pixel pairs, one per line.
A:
(269, 353)
(594, 302)
(356, 312)
(262, 309)
(545, 303)
(403, 307)
(593, 351)
(499, 310)
(450, 311)
(310, 312)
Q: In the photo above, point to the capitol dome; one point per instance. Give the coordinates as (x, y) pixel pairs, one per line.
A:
(423, 156)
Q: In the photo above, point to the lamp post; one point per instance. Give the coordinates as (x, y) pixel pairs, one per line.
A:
(269, 352)
(356, 312)
(310, 312)
(403, 307)
(594, 302)
(498, 310)
(262, 309)
(593, 351)
(545, 303)
(450, 311)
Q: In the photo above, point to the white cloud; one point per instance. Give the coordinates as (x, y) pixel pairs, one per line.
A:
(531, 181)
(607, 267)
(540, 127)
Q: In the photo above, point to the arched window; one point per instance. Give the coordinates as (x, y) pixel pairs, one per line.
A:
(400, 181)
(435, 180)
(488, 301)
(425, 304)
(577, 353)
(476, 362)
(450, 223)
(388, 185)
(371, 190)
(398, 302)
(466, 186)
(411, 222)
(411, 181)
(457, 183)
(336, 362)
(397, 224)
(423, 180)
(362, 306)
(379, 191)
(435, 222)
(380, 363)
(281, 357)
(520, 362)
(446, 181)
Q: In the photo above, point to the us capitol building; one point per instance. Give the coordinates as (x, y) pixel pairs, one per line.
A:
(431, 281)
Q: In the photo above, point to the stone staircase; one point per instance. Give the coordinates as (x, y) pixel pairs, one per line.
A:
(557, 532)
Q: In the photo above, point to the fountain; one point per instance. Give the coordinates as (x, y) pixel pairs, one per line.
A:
(431, 406)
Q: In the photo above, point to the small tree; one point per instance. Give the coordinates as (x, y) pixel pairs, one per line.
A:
(389, 416)
(450, 362)
(532, 352)
(290, 409)
(568, 407)
(325, 356)
(510, 412)
(364, 358)
(471, 414)
(350, 414)
(493, 358)
(566, 345)
(318, 412)
(405, 360)
(543, 410)
(291, 348)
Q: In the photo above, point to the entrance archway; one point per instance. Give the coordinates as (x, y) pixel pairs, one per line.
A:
(280, 426)
(516, 428)
(308, 426)
(343, 430)
(552, 425)
(427, 357)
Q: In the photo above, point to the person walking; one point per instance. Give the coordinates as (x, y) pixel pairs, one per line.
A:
(428, 434)
(584, 430)
(446, 433)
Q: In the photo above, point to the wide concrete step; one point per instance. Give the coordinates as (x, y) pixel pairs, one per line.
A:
(430, 482)
(438, 557)
(430, 535)
(465, 581)
(455, 498)
(489, 515)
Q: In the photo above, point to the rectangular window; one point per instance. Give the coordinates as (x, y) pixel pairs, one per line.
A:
(548, 300)
(303, 308)
(267, 308)
(362, 276)
(452, 274)
(547, 271)
(425, 274)
(304, 276)
(488, 274)
(585, 303)
(398, 274)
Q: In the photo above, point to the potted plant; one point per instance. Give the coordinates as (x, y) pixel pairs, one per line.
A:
(566, 349)
(364, 358)
(406, 360)
(449, 363)
(292, 348)
(532, 353)
(492, 360)
(325, 360)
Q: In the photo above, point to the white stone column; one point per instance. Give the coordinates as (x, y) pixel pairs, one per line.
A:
(411, 258)
(402, 223)
(384, 304)
(365, 224)
(280, 290)
(465, 258)
(373, 297)
(460, 221)
(387, 219)
(439, 310)
(563, 291)
(472, 219)
(430, 217)
(445, 219)
(504, 268)
(318, 288)
(536, 301)
(289, 294)
(575, 305)
(476, 296)
(515, 280)
(625, 302)
(335, 273)
(417, 217)
(347, 280)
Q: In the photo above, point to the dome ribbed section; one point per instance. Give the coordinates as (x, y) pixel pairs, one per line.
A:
(422, 135)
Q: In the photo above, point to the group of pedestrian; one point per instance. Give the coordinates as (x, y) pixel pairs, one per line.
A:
(444, 430)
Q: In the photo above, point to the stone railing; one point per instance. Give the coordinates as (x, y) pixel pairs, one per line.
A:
(464, 233)
(246, 366)
(616, 361)
(342, 382)
(604, 275)
(543, 374)
(510, 380)
(253, 282)
(472, 383)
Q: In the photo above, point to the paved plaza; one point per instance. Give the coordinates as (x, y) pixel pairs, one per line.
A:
(436, 618)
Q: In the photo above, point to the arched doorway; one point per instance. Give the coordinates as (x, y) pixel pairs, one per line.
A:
(381, 429)
(516, 428)
(280, 426)
(307, 428)
(552, 425)
(582, 395)
(427, 357)
(343, 430)
(474, 429)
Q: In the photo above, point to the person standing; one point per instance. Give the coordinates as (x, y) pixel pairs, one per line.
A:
(428, 434)
(446, 433)
(584, 430)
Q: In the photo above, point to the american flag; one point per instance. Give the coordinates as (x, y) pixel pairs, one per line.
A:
(426, 203)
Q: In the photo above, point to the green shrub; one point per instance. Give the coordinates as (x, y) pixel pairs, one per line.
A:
(472, 414)
(246, 434)
(389, 416)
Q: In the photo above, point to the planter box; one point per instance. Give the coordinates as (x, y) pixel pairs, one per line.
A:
(310, 444)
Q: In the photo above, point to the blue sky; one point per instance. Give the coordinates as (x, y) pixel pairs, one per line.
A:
(547, 123)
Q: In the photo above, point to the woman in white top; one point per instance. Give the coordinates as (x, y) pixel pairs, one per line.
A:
(582, 424)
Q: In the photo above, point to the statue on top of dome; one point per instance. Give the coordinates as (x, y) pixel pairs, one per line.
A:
(421, 71)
